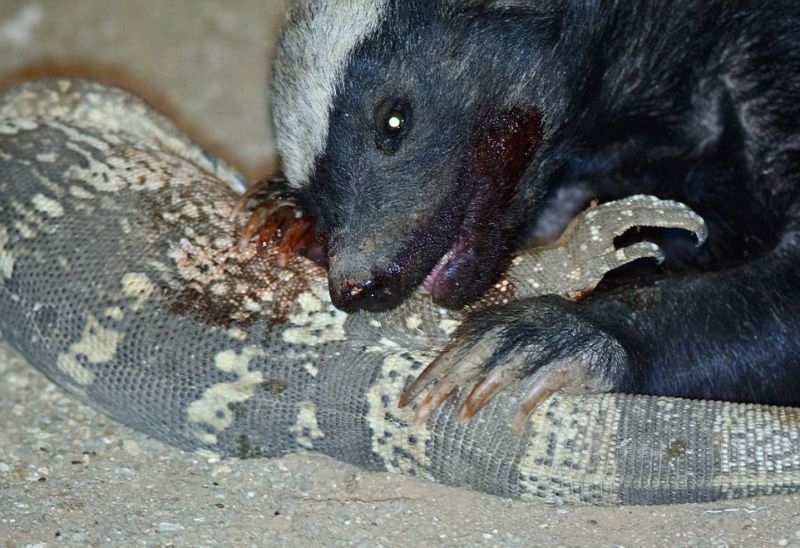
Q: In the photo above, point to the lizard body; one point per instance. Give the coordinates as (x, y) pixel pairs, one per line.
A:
(121, 280)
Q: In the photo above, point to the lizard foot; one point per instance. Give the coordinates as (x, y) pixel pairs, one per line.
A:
(542, 343)
(276, 221)
(585, 252)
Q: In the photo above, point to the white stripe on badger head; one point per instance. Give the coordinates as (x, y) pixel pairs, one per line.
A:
(317, 39)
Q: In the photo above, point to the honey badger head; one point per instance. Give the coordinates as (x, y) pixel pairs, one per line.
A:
(409, 129)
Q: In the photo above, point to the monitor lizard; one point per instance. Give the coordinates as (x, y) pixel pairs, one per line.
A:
(121, 279)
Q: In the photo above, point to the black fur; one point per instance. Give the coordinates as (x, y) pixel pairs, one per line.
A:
(695, 100)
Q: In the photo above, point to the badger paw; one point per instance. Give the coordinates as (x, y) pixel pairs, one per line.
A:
(542, 343)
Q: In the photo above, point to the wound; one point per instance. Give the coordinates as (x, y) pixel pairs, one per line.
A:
(505, 145)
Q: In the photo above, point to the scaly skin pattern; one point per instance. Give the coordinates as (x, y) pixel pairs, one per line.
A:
(121, 280)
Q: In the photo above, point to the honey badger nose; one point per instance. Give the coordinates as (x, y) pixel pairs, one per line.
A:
(363, 274)
(374, 293)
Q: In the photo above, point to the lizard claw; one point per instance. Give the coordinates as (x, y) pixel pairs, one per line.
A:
(599, 225)
(616, 258)
(277, 221)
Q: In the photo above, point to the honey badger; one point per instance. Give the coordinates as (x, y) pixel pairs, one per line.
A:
(431, 139)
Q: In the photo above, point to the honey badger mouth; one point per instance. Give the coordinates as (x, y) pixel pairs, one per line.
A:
(480, 252)
(503, 149)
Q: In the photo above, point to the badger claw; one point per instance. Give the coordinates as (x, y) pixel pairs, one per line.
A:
(541, 344)
(455, 366)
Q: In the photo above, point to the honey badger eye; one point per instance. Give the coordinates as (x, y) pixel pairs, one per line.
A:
(395, 121)
(392, 123)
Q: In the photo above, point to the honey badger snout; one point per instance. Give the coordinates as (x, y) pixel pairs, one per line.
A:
(364, 275)
(365, 290)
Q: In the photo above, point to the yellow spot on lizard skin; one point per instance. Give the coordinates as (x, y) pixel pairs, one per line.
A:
(29, 220)
(213, 409)
(100, 177)
(207, 438)
(190, 210)
(115, 313)
(48, 206)
(46, 158)
(97, 345)
(311, 369)
(137, 286)
(309, 302)
(250, 305)
(413, 322)
(6, 258)
(220, 289)
(80, 192)
(24, 230)
(24, 124)
(448, 326)
(309, 325)
(237, 334)
(307, 428)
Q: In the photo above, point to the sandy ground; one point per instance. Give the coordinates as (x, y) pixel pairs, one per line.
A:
(71, 476)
